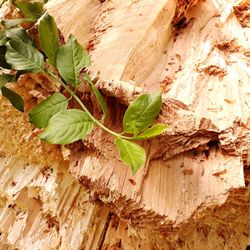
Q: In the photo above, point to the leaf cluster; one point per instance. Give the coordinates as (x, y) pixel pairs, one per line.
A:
(62, 125)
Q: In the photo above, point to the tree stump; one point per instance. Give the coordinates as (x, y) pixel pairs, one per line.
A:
(196, 52)
(197, 174)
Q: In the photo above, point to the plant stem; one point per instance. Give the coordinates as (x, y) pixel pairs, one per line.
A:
(85, 108)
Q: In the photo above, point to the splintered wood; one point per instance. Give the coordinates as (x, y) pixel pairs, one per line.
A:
(43, 207)
(197, 54)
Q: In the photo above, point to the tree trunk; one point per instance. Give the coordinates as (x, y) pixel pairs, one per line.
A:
(196, 175)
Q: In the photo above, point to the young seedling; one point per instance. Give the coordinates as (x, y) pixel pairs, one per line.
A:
(60, 124)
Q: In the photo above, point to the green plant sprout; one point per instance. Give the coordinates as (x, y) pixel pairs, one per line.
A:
(60, 124)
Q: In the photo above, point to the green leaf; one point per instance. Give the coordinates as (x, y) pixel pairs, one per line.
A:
(97, 94)
(3, 62)
(31, 10)
(141, 113)
(42, 113)
(15, 99)
(11, 23)
(18, 34)
(48, 36)
(67, 126)
(71, 59)
(151, 132)
(5, 78)
(22, 56)
(131, 154)
(3, 38)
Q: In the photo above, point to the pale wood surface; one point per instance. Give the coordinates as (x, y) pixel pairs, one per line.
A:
(43, 207)
(203, 73)
(195, 174)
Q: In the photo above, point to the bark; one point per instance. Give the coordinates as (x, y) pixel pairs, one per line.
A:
(197, 174)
